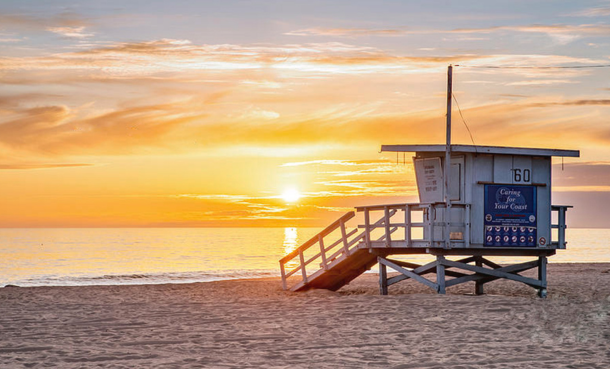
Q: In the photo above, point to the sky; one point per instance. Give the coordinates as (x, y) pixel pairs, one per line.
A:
(211, 113)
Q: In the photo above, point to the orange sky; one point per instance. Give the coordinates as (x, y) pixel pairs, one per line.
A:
(202, 114)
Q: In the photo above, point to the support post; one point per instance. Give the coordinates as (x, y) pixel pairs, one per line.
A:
(478, 286)
(440, 274)
(542, 261)
(283, 272)
(383, 277)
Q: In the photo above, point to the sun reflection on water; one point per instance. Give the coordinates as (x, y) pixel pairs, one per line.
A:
(291, 242)
(291, 239)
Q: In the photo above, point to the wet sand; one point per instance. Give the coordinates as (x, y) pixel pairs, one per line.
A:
(253, 323)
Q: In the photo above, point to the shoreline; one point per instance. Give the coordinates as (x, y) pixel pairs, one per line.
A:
(248, 323)
(135, 277)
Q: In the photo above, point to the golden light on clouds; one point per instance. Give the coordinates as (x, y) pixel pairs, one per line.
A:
(158, 117)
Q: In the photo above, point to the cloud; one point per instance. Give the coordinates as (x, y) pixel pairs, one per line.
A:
(579, 177)
(562, 33)
(539, 82)
(349, 163)
(24, 22)
(15, 100)
(9, 38)
(42, 166)
(599, 102)
(583, 29)
(169, 60)
(57, 130)
(348, 32)
(70, 32)
(171, 116)
(195, 125)
(593, 12)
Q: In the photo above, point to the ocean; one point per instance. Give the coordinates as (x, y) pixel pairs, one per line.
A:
(114, 256)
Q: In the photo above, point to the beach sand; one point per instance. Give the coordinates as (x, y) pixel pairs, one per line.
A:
(253, 323)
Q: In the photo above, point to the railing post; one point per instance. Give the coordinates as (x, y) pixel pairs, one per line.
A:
(467, 225)
(303, 271)
(322, 252)
(561, 229)
(408, 225)
(283, 273)
(344, 238)
(386, 216)
(447, 226)
(430, 225)
(367, 225)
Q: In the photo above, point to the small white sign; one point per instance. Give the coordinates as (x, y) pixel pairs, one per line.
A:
(429, 179)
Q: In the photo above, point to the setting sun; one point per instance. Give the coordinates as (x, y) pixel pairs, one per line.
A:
(291, 195)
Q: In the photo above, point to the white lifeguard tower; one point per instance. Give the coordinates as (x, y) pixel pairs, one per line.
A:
(488, 201)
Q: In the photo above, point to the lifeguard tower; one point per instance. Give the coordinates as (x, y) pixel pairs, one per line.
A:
(475, 202)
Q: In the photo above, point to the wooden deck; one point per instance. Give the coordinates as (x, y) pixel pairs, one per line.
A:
(337, 255)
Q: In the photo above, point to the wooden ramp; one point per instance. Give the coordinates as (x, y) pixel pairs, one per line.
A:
(337, 255)
(329, 260)
(343, 271)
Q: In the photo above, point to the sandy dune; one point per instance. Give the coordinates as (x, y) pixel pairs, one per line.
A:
(253, 323)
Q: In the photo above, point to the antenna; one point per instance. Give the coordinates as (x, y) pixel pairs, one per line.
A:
(448, 158)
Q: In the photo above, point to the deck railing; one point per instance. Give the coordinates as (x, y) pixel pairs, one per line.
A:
(561, 210)
(420, 233)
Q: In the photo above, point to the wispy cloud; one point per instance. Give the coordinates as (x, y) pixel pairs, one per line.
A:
(581, 188)
(42, 166)
(602, 11)
(583, 29)
(348, 163)
(563, 33)
(599, 102)
(26, 22)
(347, 32)
(70, 32)
(9, 38)
(539, 82)
(196, 125)
(582, 177)
(181, 61)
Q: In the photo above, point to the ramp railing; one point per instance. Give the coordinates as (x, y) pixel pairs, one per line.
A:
(312, 261)
(320, 258)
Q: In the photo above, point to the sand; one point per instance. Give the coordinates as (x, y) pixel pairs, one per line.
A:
(253, 323)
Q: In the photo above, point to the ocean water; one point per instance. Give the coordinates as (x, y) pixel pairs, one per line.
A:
(95, 256)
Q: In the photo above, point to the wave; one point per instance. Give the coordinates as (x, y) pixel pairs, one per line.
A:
(145, 278)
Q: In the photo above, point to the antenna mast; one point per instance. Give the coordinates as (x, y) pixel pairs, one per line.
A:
(448, 158)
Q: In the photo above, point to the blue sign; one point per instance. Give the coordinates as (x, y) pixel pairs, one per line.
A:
(510, 216)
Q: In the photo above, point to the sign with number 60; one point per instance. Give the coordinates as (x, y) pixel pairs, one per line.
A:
(522, 175)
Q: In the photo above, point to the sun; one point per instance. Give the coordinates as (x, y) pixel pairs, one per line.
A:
(291, 195)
